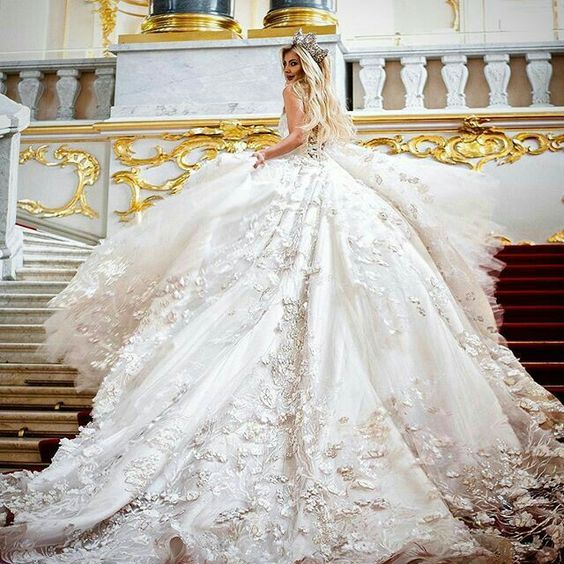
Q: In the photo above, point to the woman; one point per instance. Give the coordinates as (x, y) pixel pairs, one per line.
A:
(297, 361)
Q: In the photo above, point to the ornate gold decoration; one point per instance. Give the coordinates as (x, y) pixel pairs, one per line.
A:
(557, 237)
(455, 5)
(504, 240)
(193, 22)
(229, 136)
(475, 145)
(297, 17)
(107, 10)
(87, 170)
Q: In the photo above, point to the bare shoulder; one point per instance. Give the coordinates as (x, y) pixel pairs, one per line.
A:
(290, 96)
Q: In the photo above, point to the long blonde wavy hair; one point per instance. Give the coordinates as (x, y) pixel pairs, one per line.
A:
(322, 109)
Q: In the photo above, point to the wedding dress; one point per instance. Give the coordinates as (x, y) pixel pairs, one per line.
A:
(297, 363)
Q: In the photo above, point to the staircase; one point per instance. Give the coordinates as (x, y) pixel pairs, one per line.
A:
(531, 291)
(38, 404)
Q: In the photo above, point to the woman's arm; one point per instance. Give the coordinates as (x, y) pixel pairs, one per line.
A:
(296, 117)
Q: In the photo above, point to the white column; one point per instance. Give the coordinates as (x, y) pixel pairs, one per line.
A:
(539, 72)
(373, 77)
(30, 89)
(13, 119)
(497, 73)
(414, 75)
(455, 77)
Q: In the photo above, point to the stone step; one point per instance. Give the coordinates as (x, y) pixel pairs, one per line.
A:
(33, 423)
(46, 261)
(55, 251)
(27, 353)
(33, 235)
(20, 333)
(38, 374)
(40, 245)
(25, 315)
(45, 274)
(32, 286)
(25, 300)
(47, 397)
(20, 451)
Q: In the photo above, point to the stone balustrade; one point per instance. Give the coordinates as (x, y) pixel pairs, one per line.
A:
(52, 89)
(502, 70)
(443, 78)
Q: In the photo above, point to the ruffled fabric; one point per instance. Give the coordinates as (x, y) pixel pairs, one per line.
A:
(298, 363)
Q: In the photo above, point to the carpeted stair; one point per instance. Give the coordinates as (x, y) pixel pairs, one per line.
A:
(531, 291)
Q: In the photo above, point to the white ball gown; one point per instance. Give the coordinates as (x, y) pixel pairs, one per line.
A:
(298, 363)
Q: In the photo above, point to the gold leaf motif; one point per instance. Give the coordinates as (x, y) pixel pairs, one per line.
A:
(557, 237)
(107, 10)
(474, 146)
(228, 136)
(87, 169)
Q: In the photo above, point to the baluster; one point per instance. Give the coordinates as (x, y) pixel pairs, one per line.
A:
(455, 77)
(68, 88)
(414, 75)
(373, 76)
(497, 72)
(30, 89)
(3, 85)
(104, 88)
(539, 72)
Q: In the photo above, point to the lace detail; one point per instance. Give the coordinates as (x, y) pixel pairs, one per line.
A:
(298, 364)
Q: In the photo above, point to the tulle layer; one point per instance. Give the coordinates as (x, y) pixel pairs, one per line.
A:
(297, 364)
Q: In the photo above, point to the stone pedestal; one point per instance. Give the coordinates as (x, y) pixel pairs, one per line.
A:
(13, 119)
(215, 78)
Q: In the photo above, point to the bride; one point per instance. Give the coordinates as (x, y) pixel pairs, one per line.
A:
(296, 360)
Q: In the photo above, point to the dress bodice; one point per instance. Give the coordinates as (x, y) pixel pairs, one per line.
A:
(310, 148)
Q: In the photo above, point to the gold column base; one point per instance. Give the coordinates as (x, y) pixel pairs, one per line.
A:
(189, 23)
(289, 31)
(299, 17)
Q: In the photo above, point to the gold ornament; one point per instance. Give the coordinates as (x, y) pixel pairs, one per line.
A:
(229, 136)
(557, 237)
(475, 145)
(87, 170)
(107, 10)
(455, 5)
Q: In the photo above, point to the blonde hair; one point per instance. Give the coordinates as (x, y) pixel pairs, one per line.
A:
(323, 111)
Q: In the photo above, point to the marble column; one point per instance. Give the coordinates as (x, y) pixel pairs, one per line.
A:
(13, 119)
(300, 13)
(190, 16)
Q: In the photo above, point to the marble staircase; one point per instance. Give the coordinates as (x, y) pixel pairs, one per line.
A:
(38, 402)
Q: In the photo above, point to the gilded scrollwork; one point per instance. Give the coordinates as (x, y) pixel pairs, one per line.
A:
(107, 10)
(475, 144)
(207, 142)
(87, 168)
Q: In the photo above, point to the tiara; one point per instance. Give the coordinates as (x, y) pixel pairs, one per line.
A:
(309, 43)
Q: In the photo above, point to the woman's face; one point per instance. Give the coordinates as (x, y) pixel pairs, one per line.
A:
(292, 66)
